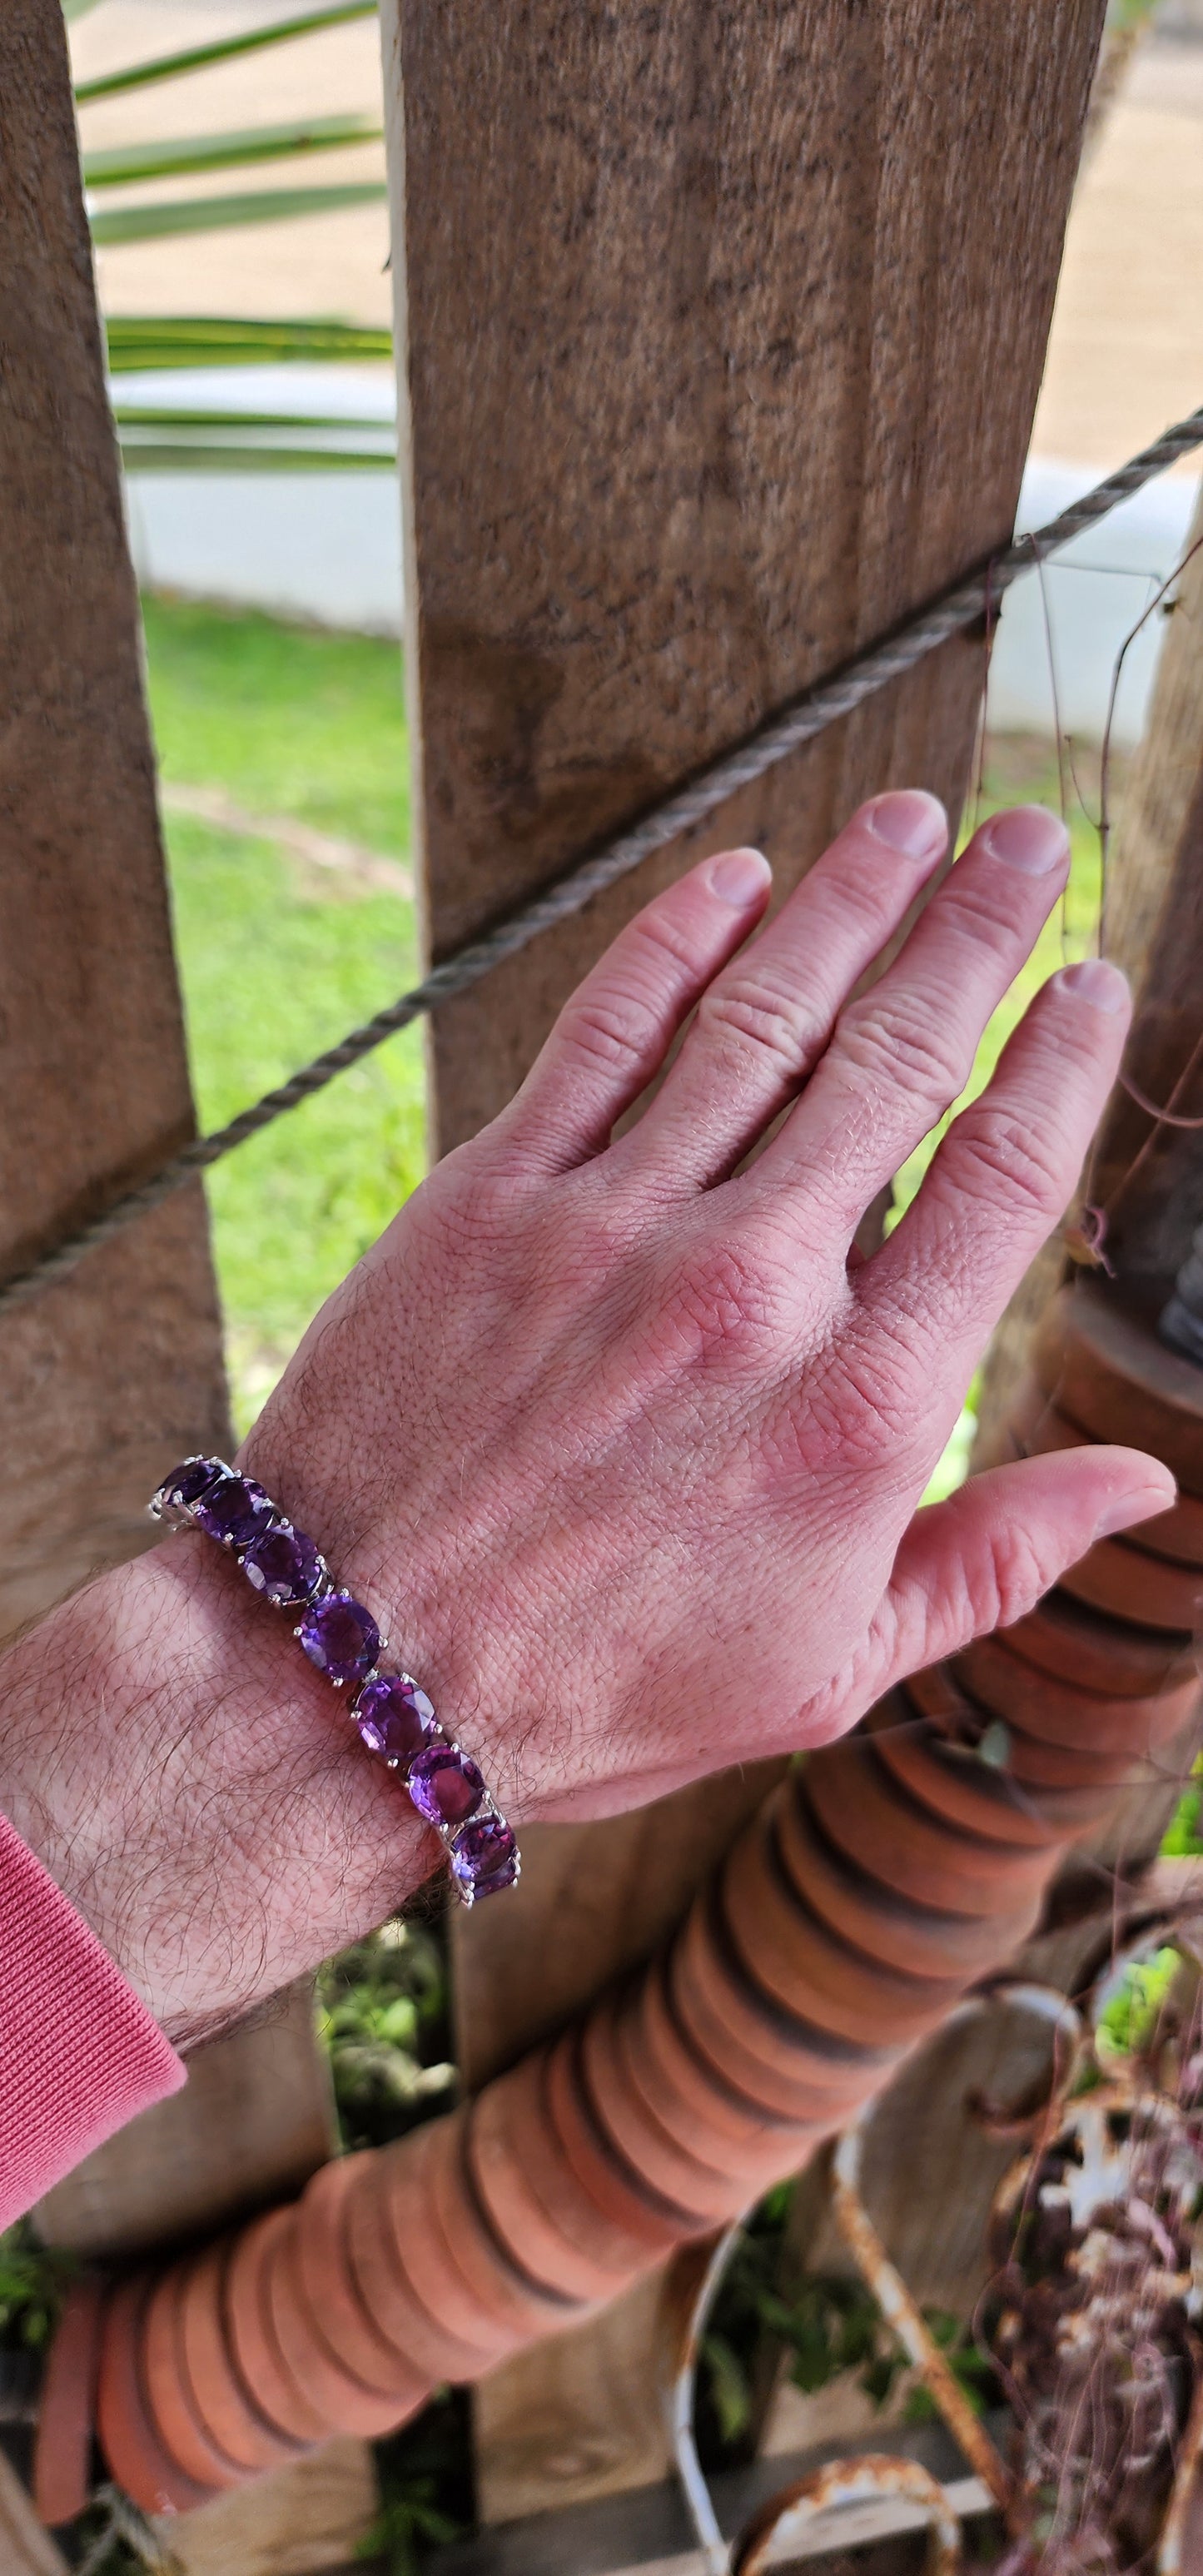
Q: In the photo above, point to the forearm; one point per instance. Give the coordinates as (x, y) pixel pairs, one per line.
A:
(193, 1787)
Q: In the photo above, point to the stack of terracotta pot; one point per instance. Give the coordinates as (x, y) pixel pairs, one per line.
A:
(881, 1879)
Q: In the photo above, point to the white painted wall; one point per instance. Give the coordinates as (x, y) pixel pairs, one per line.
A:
(315, 545)
(1095, 592)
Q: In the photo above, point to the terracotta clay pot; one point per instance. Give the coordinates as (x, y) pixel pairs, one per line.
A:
(952, 1780)
(62, 2477)
(798, 2072)
(1121, 1579)
(252, 2337)
(610, 2182)
(794, 1952)
(532, 2199)
(226, 2408)
(170, 2403)
(418, 2301)
(518, 2306)
(693, 2099)
(919, 1939)
(1002, 1681)
(871, 1816)
(131, 2446)
(1105, 1656)
(331, 2291)
(639, 2136)
(1110, 1373)
(1055, 1770)
(344, 2403)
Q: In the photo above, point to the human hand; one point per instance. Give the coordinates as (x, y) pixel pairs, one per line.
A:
(610, 1434)
(615, 1438)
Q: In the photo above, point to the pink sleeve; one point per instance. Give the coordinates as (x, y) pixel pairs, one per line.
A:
(79, 2054)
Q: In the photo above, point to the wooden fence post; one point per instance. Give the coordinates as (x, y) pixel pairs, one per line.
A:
(115, 1372)
(710, 371)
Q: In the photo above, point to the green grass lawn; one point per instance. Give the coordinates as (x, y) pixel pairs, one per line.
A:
(277, 960)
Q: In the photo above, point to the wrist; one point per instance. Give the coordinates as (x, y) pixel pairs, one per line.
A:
(428, 1568)
(194, 1789)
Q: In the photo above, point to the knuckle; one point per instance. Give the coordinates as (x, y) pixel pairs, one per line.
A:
(1000, 1157)
(724, 1304)
(877, 1384)
(855, 1412)
(898, 1043)
(613, 1030)
(749, 1013)
(1011, 1580)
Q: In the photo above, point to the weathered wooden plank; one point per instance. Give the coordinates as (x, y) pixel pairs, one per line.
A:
(647, 2533)
(300, 2521)
(256, 2119)
(26, 2549)
(711, 373)
(577, 2414)
(115, 1371)
(612, 1890)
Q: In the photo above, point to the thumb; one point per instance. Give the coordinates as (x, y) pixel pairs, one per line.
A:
(986, 1556)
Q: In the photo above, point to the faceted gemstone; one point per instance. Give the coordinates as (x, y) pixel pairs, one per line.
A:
(340, 1637)
(445, 1785)
(284, 1564)
(235, 1508)
(186, 1484)
(394, 1717)
(484, 1856)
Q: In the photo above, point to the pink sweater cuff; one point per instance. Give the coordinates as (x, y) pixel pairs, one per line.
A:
(79, 2054)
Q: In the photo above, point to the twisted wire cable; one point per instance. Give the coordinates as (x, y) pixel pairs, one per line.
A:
(797, 723)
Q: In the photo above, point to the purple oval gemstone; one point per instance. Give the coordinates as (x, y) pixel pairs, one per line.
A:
(394, 1717)
(445, 1785)
(285, 1565)
(340, 1637)
(186, 1484)
(484, 1857)
(235, 1509)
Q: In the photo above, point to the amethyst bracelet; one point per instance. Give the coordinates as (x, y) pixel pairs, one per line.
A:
(395, 1719)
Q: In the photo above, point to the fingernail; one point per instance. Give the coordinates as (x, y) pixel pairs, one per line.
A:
(909, 820)
(1139, 1504)
(739, 877)
(1029, 838)
(1096, 982)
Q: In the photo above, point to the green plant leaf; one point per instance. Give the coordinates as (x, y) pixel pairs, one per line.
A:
(196, 456)
(135, 416)
(730, 2393)
(137, 341)
(180, 153)
(168, 66)
(214, 214)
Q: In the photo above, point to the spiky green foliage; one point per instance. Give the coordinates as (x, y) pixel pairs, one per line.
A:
(111, 224)
(33, 2281)
(126, 164)
(137, 342)
(196, 58)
